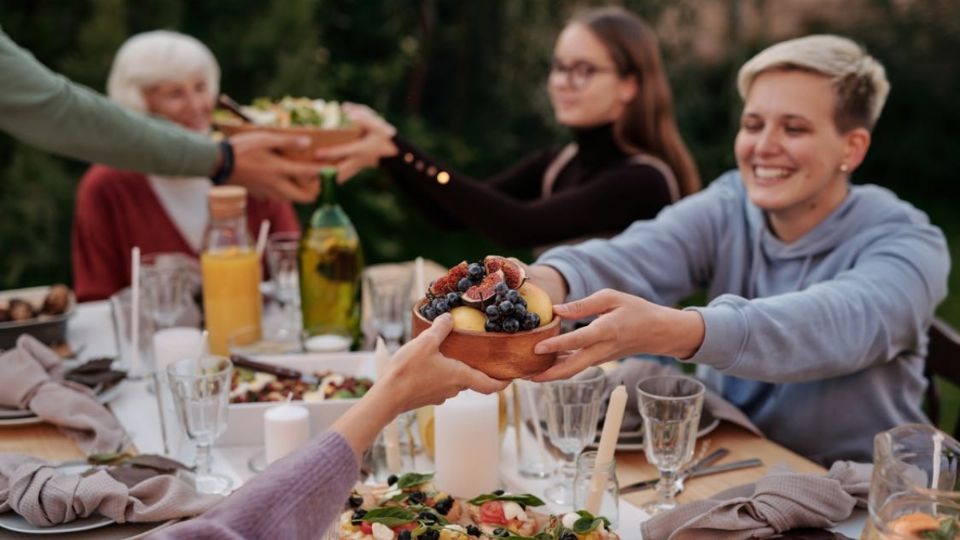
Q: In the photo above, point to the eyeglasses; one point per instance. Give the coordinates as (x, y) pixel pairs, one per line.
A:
(579, 73)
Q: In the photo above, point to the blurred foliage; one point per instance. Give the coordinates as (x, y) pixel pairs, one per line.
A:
(465, 80)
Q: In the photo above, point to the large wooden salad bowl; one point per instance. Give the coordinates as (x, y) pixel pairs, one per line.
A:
(499, 355)
(319, 137)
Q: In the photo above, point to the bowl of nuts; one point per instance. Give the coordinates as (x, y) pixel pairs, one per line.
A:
(39, 311)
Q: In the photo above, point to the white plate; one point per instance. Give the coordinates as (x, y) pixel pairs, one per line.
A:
(17, 417)
(633, 440)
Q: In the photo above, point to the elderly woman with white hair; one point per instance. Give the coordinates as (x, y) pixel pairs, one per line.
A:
(820, 292)
(175, 77)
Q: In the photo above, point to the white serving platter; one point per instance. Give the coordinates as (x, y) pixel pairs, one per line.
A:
(245, 420)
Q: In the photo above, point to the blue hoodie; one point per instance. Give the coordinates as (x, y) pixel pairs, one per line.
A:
(821, 342)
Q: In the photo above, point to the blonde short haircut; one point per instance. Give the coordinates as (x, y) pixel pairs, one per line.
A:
(858, 79)
(153, 57)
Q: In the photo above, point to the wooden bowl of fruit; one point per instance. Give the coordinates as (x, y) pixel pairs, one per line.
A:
(498, 317)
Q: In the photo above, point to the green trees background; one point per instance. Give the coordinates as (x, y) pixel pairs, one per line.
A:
(466, 81)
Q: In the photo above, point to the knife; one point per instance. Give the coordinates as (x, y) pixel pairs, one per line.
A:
(710, 458)
(279, 371)
(734, 466)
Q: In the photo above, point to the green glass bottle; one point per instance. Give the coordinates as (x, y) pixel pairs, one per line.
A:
(331, 264)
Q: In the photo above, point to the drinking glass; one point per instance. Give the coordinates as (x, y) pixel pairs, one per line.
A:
(610, 500)
(200, 388)
(572, 408)
(283, 252)
(670, 407)
(390, 300)
(915, 489)
(166, 282)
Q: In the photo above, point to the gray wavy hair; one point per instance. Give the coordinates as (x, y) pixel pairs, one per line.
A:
(859, 80)
(152, 57)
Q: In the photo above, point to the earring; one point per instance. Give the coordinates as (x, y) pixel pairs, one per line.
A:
(844, 168)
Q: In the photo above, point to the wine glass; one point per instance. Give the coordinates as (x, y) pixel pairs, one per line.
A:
(200, 388)
(390, 300)
(670, 407)
(572, 409)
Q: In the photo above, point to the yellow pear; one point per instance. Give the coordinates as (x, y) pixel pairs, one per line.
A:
(468, 318)
(538, 301)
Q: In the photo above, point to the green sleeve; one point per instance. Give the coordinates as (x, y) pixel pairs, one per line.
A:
(48, 111)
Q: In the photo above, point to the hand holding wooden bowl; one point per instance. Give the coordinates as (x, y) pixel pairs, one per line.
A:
(319, 137)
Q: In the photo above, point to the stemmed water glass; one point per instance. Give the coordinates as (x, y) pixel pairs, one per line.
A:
(670, 407)
(389, 294)
(200, 388)
(572, 409)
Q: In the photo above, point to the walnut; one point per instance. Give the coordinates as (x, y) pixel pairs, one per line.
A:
(20, 310)
(57, 300)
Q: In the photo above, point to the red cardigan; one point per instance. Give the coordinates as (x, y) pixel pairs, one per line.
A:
(117, 210)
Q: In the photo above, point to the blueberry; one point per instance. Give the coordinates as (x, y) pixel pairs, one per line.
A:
(501, 288)
(511, 326)
(404, 535)
(464, 284)
(568, 536)
(427, 518)
(519, 311)
(429, 535)
(476, 271)
(513, 296)
(441, 306)
(453, 299)
(355, 501)
(392, 479)
(498, 492)
(493, 313)
(491, 326)
(531, 321)
(506, 307)
(444, 505)
(430, 313)
(500, 532)
(357, 516)
(473, 530)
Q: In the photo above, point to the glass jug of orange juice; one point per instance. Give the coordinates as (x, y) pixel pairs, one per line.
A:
(230, 269)
(915, 488)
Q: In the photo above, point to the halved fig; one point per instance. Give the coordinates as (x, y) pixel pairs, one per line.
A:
(512, 272)
(484, 292)
(448, 283)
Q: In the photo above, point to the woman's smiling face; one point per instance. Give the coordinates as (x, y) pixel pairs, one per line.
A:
(793, 160)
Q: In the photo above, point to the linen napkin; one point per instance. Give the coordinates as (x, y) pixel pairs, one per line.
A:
(35, 490)
(633, 370)
(31, 378)
(779, 502)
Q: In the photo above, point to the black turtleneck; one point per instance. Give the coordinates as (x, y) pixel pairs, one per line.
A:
(599, 192)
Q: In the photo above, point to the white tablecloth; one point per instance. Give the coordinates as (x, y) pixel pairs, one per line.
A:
(136, 408)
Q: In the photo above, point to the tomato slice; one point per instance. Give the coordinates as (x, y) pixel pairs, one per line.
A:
(366, 527)
(405, 527)
(492, 512)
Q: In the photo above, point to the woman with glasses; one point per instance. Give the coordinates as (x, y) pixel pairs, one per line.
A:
(627, 161)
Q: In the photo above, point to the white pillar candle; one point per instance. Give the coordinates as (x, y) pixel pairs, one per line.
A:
(172, 344)
(286, 427)
(327, 343)
(468, 444)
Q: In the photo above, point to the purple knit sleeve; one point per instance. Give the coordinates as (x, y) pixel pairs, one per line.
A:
(299, 496)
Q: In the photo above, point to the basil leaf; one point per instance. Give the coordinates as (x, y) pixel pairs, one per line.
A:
(949, 529)
(410, 480)
(524, 499)
(588, 522)
(391, 517)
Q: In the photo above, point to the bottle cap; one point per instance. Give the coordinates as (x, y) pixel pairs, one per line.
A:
(227, 201)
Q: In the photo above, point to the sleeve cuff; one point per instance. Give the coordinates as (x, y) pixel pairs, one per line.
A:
(576, 285)
(725, 336)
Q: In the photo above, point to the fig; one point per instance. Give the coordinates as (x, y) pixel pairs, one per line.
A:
(484, 292)
(448, 283)
(512, 272)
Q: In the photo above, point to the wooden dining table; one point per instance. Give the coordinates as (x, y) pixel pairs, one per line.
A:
(48, 442)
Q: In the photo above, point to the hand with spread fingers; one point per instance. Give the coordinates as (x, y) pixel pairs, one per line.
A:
(259, 166)
(376, 143)
(625, 325)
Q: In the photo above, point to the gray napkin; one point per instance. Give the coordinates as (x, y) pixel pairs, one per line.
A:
(633, 370)
(33, 489)
(31, 378)
(779, 502)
